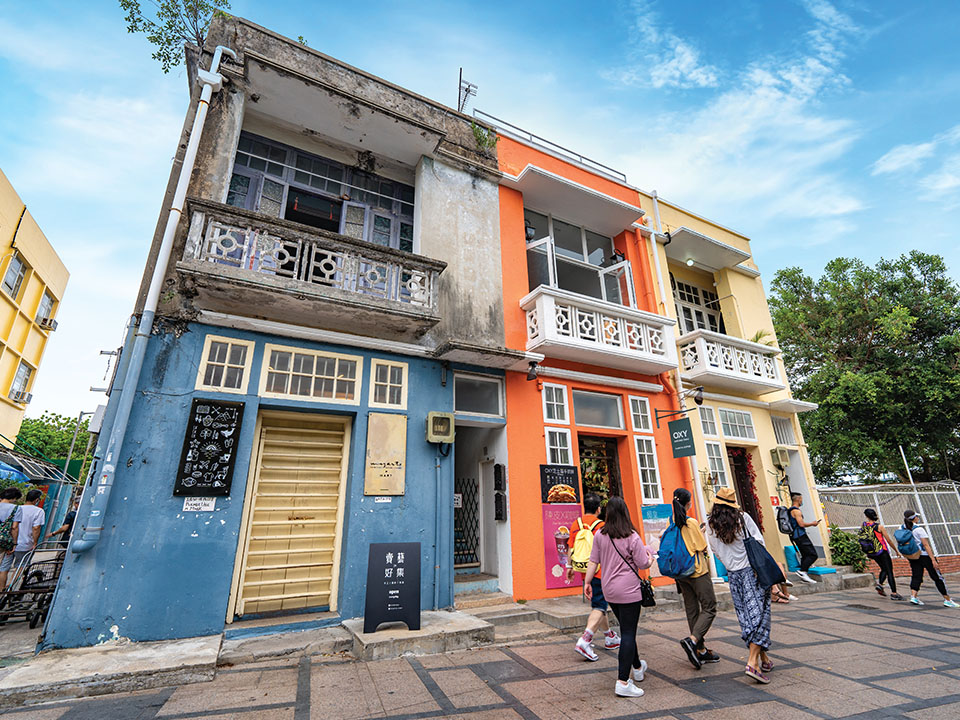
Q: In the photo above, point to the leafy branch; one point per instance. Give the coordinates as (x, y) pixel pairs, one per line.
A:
(172, 24)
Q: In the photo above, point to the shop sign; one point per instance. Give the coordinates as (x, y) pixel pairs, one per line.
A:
(559, 484)
(209, 449)
(558, 543)
(199, 504)
(386, 461)
(656, 518)
(681, 438)
(393, 585)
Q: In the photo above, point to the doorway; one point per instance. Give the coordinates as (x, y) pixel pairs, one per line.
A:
(744, 482)
(599, 466)
(289, 552)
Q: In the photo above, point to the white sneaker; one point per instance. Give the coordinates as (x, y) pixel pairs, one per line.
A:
(586, 650)
(806, 578)
(950, 604)
(637, 673)
(628, 689)
(611, 642)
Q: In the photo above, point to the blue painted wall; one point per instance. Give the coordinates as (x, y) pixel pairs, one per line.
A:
(159, 573)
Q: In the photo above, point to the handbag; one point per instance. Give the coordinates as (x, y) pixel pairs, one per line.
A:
(766, 568)
(647, 598)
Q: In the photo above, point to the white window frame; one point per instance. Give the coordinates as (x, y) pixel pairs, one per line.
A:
(753, 428)
(774, 419)
(565, 405)
(645, 413)
(405, 384)
(723, 464)
(53, 304)
(656, 469)
(25, 387)
(704, 409)
(487, 378)
(565, 432)
(618, 398)
(21, 274)
(268, 350)
(250, 345)
(705, 298)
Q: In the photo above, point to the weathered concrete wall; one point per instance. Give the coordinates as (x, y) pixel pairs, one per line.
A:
(457, 220)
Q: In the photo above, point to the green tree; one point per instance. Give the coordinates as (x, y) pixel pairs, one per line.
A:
(879, 349)
(50, 435)
(171, 24)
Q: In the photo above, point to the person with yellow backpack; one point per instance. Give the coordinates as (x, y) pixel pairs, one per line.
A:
(584, 531)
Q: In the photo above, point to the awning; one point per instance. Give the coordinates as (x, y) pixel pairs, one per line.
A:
(704, 251)
(789, 405)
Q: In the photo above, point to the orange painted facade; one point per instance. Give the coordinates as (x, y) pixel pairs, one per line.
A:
(527, 426)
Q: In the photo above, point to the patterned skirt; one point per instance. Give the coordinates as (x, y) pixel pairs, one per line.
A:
(752, 604)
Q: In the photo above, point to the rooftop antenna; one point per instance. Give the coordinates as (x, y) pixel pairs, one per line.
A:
(467, 89)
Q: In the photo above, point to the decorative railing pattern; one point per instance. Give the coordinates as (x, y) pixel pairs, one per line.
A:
(602, 328)
(708, 351)
(326, 260)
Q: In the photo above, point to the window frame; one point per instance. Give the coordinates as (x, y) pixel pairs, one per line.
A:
(792, 442)
(15, 256)
(405, 384)
(640, 469)
(722, 456)
(617, 397)
(480, 376)
(561, 431)
(690, 325)
(31, 373)
(53, 304)
(752, 426)
(713, 421)
(204, 359)
(268, 350)
(565, 404)
(646, 403)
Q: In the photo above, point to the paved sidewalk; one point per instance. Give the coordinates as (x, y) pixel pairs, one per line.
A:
(849, 655)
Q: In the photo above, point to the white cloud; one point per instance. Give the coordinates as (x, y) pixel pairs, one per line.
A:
(903, 157)
(934, 166)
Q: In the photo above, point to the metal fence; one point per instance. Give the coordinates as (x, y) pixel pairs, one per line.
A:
(938, 505)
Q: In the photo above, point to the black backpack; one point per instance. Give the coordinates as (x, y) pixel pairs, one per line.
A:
(783, 521)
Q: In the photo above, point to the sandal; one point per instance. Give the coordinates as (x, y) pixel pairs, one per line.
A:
(756, 675)
(779, 597)
(766, 666)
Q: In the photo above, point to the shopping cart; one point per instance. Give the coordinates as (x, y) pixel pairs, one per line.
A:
(32, 582)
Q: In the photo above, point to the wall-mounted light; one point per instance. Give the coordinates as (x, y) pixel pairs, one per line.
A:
(532, 372)
(618, 257)
(690, 262)
(530, 230)
(698, 395)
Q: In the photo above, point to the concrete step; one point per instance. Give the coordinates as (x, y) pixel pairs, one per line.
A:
(475, 582)
(318, 641)
(509, 614)
(856, 580)
(440, 631)
(472, 600)
(529, 630)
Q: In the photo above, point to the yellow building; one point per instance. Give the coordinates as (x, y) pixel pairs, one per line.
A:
(746, 431)
(33, 281)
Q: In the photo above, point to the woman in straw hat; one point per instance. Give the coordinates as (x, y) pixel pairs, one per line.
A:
(725, 533)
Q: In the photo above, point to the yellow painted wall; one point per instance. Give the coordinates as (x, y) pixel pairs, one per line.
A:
(21, 338)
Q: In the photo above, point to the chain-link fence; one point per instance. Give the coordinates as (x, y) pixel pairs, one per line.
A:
(938, 506)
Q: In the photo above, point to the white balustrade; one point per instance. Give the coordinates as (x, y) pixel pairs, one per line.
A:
(714, 357)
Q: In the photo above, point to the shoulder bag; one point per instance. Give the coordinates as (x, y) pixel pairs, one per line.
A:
(647, 598)
(766, 568)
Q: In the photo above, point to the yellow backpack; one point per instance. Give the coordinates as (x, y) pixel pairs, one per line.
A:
(582, 546)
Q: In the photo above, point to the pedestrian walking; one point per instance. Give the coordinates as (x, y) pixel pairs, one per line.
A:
(587, 528)
(620, 551)
(877, 544)
(801, 541)
(921, 557)
(32, 518)
(725, 531)
(699, 600)
(9, 530)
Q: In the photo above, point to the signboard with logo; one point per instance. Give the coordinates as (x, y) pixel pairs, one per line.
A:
(209, 449)
(559, 484)
(681, 438)
(393, 585)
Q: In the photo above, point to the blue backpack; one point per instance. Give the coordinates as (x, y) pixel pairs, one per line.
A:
(673, 559)
(906, 543)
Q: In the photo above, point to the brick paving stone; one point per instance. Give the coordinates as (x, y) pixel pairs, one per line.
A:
(464, 688)
(926, 686)
(234, 690)
(343, 691)
(764, 710)
(941, 712)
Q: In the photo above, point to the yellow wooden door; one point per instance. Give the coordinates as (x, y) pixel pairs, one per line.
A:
(292, 539)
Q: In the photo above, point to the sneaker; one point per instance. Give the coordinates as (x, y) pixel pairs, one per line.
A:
(756, 675)
(792, 597)
(628, 689)
(709, 656)
(586, 650)
(611, 642)
(806, 578)
(880, 590)
(950, 604)
(690, 647)
(637, 674)
(896, 596)
(788, 582)
(916, 601)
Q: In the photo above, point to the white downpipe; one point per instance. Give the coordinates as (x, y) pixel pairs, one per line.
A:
(697, 488)
(212, 81)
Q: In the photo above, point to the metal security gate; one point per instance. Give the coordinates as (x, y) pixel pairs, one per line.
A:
(292, 539)
(466, 523)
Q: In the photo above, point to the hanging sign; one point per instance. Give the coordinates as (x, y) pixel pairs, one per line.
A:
(393, 585)
(681, 438)
(209, 449)
(559, 484)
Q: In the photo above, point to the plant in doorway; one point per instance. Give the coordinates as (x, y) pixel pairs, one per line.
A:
(749, 483)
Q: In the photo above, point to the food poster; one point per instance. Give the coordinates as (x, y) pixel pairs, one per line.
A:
(558, 519)
(656, 519)
(559, 484)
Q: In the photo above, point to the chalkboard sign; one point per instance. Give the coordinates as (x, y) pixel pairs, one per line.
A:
(209, 449)
(393, 585)
(559, 484)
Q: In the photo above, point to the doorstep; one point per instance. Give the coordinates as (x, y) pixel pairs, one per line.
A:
(440, 631)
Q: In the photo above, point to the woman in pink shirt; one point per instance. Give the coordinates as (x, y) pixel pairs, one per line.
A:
(620, 551)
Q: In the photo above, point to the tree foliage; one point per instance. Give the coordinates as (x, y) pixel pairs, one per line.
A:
(50, 435)
(879, 349)
(171, 24)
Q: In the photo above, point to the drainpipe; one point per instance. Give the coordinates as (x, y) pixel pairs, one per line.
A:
(697, 488)
(212, 81)
(436, 533)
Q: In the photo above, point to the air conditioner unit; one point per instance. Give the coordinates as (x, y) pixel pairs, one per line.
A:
(22, 397)
(48, 323)
(780, 456)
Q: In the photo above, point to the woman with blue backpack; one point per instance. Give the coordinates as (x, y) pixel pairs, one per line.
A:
(876, 544)
(913, 543)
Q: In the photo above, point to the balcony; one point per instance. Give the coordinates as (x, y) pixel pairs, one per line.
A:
(569, 326)
(251, 265)
(718, 360)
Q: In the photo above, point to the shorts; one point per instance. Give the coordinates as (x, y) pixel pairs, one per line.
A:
(597, 601)
(6, 562)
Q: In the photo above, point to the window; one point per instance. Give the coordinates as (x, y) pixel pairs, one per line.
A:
(225, 364)
(640, 414)
(281, 181)
(555, 404)
(647, 464)
(558, 447)
(45, 309)
(388, 384)
(737, 424)
(697, 309)
(597, 409)
(310, 375)
(21, 380)
(477, 395)
(13, 278)
(783, 430)
(708, 423)
(573, 258)
(718, 470)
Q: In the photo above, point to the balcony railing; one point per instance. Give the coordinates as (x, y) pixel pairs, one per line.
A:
(729, 362)
(575, 327)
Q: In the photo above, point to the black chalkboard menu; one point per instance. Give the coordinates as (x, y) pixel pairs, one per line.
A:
(209, 449)
(393, 585)
(559, 484)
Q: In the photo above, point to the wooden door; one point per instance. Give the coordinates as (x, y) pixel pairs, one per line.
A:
(292, 540)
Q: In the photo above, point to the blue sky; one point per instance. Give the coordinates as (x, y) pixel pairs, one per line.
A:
(819, 129)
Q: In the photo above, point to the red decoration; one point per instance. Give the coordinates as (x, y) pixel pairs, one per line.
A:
(749, 484)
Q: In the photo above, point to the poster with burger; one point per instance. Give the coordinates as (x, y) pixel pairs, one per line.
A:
(559, 484)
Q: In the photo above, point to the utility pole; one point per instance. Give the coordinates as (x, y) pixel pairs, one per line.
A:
(66, 465)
